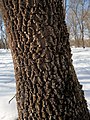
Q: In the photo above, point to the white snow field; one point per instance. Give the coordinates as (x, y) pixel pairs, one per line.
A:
(8, 111)
(7, 87)
(81, 61)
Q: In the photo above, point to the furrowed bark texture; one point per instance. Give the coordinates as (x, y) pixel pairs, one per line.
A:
(46, 84)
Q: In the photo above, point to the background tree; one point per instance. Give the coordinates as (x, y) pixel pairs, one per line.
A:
(3, 34)
(87, 24)
(46, 84)
(76, 15)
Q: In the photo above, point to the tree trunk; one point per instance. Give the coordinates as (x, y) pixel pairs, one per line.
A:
(46, 84)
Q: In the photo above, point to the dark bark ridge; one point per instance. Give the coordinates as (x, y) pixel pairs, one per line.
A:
(46, 84)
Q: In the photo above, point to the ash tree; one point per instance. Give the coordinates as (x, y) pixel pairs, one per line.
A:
(47, 87)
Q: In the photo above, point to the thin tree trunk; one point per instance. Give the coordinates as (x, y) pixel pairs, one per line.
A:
(46, 84)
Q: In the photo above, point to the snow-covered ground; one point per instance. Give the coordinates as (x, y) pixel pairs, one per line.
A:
(8, 111)
(81, 61)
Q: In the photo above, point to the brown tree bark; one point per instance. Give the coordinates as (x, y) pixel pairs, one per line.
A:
(46, 84)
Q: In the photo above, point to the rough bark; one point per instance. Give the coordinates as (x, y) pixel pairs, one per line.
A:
(46, 84)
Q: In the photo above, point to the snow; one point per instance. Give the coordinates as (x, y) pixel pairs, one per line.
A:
(8, 111)
(81, 61)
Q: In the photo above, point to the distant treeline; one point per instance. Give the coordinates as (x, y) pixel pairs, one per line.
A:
(79, 43)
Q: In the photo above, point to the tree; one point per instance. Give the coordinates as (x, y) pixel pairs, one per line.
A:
(3, 35)
(73, 27)
(65, 6)
(77, 11)
(87, 24)
(46, 84)
(73, 20)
